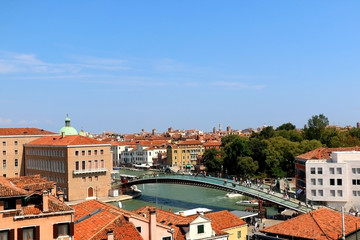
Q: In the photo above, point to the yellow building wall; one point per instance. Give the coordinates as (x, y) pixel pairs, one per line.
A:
(233, 232)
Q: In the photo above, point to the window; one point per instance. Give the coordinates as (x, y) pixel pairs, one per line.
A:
(96, 165)
(354, 193)
(63, 229)
(339, 192)
(358, 170)
(357, 181)
(95, 152)
(89, 164)
(29, 233)
(338, 170)
(16, 152)
(84, 179)
(166, 238)
(4, 152)
(183, 151)
(90, 179)
(96, 178)
(312, 170)
(332, 170)
(4, 164)
(175, 151)
(313, 193)
(82, 165)
(332, 181)
(339, 182)
(353, 170)
(332, 193)
(313, 181)
(82, 153)
(4, 143)
(238, 234)
(7, 234)
(76, 153)
(320, 181)
(101, 151)
(16, 163)
(319, 170)
(321, 192)
(77, 166)
(102, 164)
(200, 229)
(15, 143)
(139, 229)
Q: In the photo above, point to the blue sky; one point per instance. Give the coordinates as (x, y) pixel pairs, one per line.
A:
(124, 66)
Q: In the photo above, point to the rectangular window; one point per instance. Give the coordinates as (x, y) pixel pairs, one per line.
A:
(166, 238)
(15, 143)
(16, 152)
(353, 170)
(339, 193)
(339, 170)
(312, 170)
(320, 170)
(95, 152)
(358, 170)
(5, 234)
(16, 163)
(354, 182)
(4, 164)
(313, 193)
(321, 192)
(90, 179)
(313, 181)
(96, 178)
(89, 164)
(83, 153)
(238, 234)
(339, 182)
(63, 229)
(200, 229)
(96, 164)
(354, 193)
(332, 181)
(332, 193)
(102, 164)
(4, 152)
(357, 181)
(77, 166)
(76, 153)
(84, 179)
(89, 152)
(332, 170)
(320, 181)
(101, 151)
(82, 165)
(358, 193)
(4, 143)
(29, 233)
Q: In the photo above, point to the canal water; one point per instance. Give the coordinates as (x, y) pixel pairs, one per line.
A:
(182, 197)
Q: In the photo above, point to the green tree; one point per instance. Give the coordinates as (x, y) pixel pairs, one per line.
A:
(292, 135)
(212, 161)
(309, 145)
(237, 148)
(315, 127)
(286, 126)
(247, 167)
(228, 139)
(267, 132)
(258, 152)
(331, 137)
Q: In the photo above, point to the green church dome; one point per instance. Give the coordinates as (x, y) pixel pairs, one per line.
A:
(67, 129)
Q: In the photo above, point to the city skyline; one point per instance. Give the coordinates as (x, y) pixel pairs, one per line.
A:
(127, 66)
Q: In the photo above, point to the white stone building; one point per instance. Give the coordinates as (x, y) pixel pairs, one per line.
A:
(335, 181)
(141, 155)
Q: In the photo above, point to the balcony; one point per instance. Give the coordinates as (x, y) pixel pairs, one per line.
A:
(87, 171)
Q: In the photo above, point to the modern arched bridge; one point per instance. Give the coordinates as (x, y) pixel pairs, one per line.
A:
(219, 183)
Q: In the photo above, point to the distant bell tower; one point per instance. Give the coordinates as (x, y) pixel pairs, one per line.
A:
(219, 126)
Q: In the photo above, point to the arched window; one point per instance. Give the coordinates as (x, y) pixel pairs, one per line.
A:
(90, 192)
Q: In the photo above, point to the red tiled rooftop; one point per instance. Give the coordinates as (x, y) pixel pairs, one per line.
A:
(224, 220)
(324, 153)
(321, 224)
(23, 131)
(190, 142)
(9, 189)
(65, 141)
(32, 183)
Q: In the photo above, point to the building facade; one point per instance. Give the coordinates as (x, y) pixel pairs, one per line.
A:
(12, 141)
(80, 165)
(184, 154)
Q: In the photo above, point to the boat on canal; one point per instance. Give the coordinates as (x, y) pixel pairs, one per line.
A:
(248, 203)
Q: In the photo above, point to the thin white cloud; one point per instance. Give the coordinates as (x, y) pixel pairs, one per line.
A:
(5, 121)
(237, 85)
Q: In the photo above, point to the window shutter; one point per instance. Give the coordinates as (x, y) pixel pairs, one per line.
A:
(55, 230)
(37, 233)
(20, 234)
(11, 234)
(71, 229)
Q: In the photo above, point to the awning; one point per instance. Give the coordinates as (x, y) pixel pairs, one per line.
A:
(298, 191)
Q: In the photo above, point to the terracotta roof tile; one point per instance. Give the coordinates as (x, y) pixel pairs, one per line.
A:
(32, 183)
(9, 189)
(324, 153)
(321, 224)
(23, 131)
(224, 220)
(65, 141)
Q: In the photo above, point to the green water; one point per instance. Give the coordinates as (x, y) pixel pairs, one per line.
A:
(182, 197)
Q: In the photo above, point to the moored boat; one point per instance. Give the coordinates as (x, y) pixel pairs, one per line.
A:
(249, 203)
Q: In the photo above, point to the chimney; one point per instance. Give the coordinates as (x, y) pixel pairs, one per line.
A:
(62, 134)
(152, 223)
(110, 234)
(60, 195)
(45, 198)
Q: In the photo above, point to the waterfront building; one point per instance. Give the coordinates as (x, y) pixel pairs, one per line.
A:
(212, 144)
(117, 148)
(141, 155)
(184, 154)
(12, 141)
(29, 209)
(321, 224)
(81, 166)
(98, 220)
(322, 158)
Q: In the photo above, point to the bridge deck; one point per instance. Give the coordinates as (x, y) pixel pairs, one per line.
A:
(219, 183)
